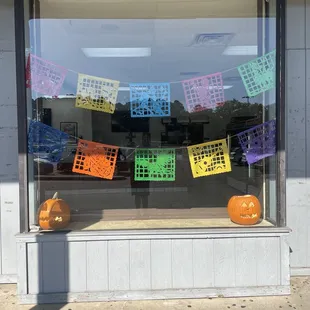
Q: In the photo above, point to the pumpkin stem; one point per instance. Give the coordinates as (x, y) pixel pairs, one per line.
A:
(55, 196)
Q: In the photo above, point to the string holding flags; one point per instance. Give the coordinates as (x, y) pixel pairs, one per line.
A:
(259, 142)
(98, 94)
(151, 164)
(44, 76)
(47, 140)
(149, 99)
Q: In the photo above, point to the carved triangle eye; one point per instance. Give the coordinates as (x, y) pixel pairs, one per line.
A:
(244, 205)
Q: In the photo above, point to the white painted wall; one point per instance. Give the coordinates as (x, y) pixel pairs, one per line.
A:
(9, 188)
(63, 110)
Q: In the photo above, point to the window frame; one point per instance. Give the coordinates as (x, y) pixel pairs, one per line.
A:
(22, 120)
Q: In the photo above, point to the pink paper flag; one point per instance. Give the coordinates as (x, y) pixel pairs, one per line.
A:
(43, 76)
(203, 93)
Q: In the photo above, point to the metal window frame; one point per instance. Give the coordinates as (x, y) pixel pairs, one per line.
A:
(22, 115)
(280, 112)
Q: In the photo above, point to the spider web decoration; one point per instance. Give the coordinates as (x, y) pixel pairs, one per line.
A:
(98, 94)
(95, 159)
(155, 165)
(209, 158)
(258, 75)
(44, 77)
(203, 93)
(150, 99)
(46, 141)
(259, 142)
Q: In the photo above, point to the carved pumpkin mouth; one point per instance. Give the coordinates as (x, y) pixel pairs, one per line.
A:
(58, 219)
(248, 216)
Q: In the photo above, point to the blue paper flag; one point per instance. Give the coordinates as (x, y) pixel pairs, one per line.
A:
(46, 141)
(150, 99)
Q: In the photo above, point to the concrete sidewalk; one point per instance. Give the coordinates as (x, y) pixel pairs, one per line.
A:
(299, 299)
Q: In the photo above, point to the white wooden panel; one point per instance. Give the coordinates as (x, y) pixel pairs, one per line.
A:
(285, 261)
(296, 120)
(224, 262)
(182, 263)
(161, 267)
(8, 116)
(8, 155)
(7, 25)
(54, 265)
(306, 187)
(268, 264)
(34, 267)
(76, 266)
(297, 220)
(8, 85)
(295, 24)
(9, 201)
(307, 23)
(203, 267)
(97, 266)
(0, 229)
(22, 272)
(118, 252)
(140, 264)
(246, 258)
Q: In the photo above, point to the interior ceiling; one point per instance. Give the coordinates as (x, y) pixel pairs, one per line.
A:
(147, 9)
(169, 28)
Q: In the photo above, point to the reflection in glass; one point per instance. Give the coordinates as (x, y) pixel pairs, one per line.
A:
(154, 79)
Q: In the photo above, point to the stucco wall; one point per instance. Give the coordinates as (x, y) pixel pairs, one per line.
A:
(9, 189)
(298, 136)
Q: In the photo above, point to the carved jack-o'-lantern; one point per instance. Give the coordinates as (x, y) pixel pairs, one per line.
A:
(244, 210)
(53, 214)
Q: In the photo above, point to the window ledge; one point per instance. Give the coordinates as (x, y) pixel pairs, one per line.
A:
(180, 233)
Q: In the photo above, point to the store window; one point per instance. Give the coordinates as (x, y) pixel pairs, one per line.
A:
(151, 114)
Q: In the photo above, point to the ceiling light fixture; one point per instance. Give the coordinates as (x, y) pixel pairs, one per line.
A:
(117, 52)
(242, 50)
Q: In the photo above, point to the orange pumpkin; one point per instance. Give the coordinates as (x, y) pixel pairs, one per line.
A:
(53, 214)
(244, 210)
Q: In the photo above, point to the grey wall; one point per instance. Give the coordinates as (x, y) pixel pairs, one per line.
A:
(298, 136)
(9, 189)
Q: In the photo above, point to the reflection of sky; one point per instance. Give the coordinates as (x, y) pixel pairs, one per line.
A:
(174, 56)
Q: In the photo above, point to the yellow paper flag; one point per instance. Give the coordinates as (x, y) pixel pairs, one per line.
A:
(209, 158)
(98, 94)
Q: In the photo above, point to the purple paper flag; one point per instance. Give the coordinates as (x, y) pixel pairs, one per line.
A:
(203, 93)
(259, 142)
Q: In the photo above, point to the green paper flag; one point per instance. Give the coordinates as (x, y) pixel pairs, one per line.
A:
(258, 75)
(155, 165)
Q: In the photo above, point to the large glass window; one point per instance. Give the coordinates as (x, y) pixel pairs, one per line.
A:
(151, 114)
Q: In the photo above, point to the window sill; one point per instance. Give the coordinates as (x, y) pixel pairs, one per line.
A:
(160, 224)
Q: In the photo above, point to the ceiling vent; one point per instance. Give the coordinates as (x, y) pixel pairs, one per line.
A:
(212, 39)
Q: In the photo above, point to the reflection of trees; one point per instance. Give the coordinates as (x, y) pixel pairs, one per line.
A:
(222, 115)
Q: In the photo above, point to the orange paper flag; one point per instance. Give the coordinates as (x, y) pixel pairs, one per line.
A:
(95, 159)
